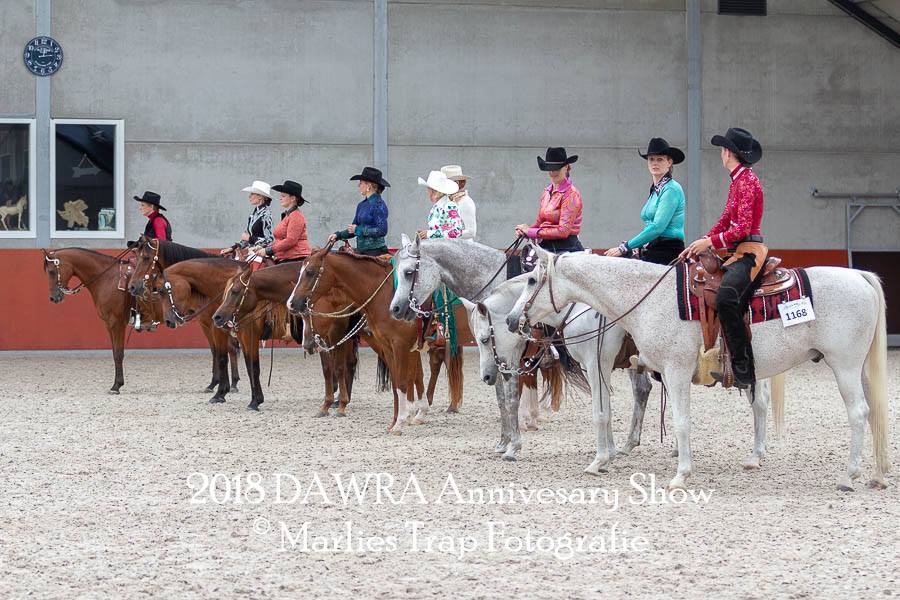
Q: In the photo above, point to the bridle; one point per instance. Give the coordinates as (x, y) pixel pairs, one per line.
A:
(344, 312)
(547, 279)
(529, 364)
(52, 259)
(235, 320)
(154, 268)
(180, 318)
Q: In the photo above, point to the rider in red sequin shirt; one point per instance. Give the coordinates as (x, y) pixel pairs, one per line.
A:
(743, 210)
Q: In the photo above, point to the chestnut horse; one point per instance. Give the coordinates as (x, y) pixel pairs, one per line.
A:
(99, 275)
(153, 256)
(247, 289)
(193, 287)
(353, 280)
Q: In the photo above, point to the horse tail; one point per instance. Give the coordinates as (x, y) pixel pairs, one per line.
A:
(382, 376)
(571, 370)
(875, 380)
(777, 388)
(553, 385)
(455, 376)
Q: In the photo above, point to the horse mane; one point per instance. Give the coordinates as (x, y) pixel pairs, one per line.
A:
(375, 259)
(173, 253)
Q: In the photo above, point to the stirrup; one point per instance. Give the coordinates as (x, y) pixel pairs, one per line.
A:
(736, 384)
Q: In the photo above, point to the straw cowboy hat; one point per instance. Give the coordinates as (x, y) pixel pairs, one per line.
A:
(741, 143)
(151, 198)
(660, 147)
(259, 187)
(454, 172)
(439, 183)
(555, 160)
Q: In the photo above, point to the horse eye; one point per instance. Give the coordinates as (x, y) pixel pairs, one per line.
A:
(532, 281)
(485, 340)
(408, 273)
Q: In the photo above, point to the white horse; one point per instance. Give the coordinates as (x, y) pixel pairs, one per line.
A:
(848, 332)
(596, 355)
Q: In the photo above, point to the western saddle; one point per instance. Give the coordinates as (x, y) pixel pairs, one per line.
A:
(705, 277)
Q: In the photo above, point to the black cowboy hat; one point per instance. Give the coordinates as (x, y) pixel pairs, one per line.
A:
(741, 142)
(660, 147)
(372, 175)
(150, 198)
(556, 159)
(291, 187)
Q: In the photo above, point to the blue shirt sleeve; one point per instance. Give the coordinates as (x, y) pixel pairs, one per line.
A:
(666, 205)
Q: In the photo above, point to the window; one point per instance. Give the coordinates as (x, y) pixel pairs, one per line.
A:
(87, 178)
(742, 7)
(17, 178)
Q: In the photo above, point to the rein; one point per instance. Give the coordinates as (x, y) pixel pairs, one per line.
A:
(530, 365)
(178, 316)
(344, 312)
(71, 291)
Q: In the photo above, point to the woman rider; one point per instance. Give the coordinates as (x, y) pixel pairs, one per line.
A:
(290, 238)
(738, 230)
(259, 224)
(662, 238)
(370, 224)
(559, 217)
(444, 220)
(158, 227)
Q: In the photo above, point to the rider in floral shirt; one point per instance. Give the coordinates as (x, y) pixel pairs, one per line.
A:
(444, 220)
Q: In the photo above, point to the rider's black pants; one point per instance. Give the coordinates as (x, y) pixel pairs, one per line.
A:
(732, 302)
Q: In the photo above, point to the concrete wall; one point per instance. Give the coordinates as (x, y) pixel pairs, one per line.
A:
(215, 93)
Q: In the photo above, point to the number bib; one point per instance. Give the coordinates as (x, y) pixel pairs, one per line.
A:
(796, 311)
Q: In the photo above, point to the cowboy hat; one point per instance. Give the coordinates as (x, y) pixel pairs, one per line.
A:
(150, 198)
(372, 175)
(454, 172)
(259, 187)
(555, 160)
(660, 147)
(292, 188)
(741, 142)
(439, 183)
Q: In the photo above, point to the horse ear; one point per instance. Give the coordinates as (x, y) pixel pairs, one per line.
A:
(404, 240)
(469, 306)
(482, 309)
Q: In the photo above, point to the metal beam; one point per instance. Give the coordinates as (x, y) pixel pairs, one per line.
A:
(692, 28)
(867, 19)
(380, 89)
(42, 91)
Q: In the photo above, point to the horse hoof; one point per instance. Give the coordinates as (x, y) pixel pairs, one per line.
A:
(114, 392)
(418, 421)
(234, 388)
(877, 484)
(340, 413)
(842, 487)
(751, 464)
(253, 407)
(500, 448)
(452, 410)
(627, 448)
(674, 453)
(335, 404)
(509, 457)
(395, 432)
(216, 400)
(532, 427)
(321, 413)
(209, 390)
(597, 471)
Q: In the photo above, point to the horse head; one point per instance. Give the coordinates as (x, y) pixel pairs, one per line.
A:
(58, 275)
(147, 268)
(418, 276)
(313, 276)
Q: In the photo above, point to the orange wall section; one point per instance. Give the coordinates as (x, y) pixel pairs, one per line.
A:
(29, 321)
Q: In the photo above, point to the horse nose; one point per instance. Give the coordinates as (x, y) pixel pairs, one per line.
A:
(170, 323)
(395, 310)
(218, 320)
(511, 323)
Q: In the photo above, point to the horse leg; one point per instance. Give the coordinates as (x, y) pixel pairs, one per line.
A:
(528, 406)
(220, 362)
(327, 361)
(344, 376)
(511, 398)
(233, 349)
(417, 384)
(640, 390)
(760, 406)
(677, 380)
(849, 380)
(435, 361)
(501, 446)
(251, 354)
(117, 337)
(601, 412)
(214, 382)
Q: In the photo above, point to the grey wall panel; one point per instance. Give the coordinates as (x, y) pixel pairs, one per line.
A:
(801, 83)
(16, 28)
(510, 76)
(506, 186)
(201, 185)
(274, 71)
(793, 218)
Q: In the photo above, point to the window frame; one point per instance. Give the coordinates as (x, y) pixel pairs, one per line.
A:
(31, 232)
(118, 182)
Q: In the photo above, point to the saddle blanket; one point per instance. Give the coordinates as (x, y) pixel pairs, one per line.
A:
(762, 308)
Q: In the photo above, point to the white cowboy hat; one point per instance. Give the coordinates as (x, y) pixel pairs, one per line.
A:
(259, 187)
(439, 183)
(453, 172)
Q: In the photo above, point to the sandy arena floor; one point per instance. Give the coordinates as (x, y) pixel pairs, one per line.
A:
(117, 496)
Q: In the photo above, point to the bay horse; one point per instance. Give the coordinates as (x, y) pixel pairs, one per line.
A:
(247, 288)
(99, 275)
(353, 280)
(193, 287)
(848, 332)
(152, 257)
